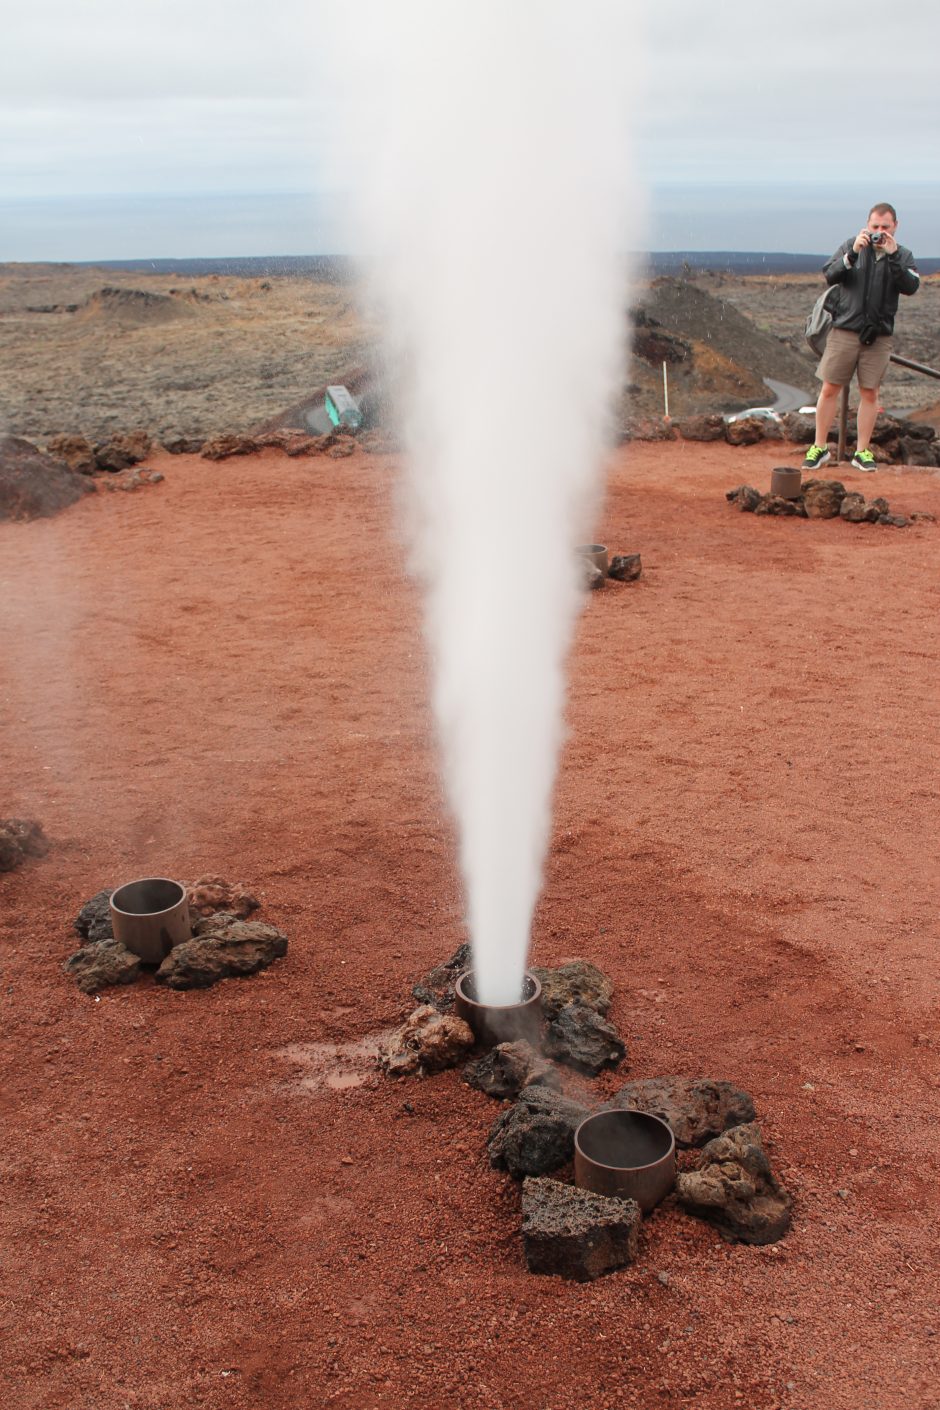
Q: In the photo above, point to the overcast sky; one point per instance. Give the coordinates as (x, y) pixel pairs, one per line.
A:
(759, 128)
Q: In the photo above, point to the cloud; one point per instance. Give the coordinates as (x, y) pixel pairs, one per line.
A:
(159, 144)
(211, 96)
(101, 50)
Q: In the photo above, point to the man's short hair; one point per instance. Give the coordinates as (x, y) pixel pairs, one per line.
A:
(883, 208)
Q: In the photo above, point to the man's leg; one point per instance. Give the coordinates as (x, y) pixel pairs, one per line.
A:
(867, 415)
(826, 412)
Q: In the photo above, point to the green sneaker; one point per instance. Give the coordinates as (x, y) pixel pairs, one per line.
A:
(816, 456)
(864, 460)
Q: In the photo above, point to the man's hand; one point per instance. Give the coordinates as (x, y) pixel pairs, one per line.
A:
(888, 243)
(862, 239)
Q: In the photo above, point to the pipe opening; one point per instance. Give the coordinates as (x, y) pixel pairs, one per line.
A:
(149, 897)
(468, 990)
(624, 1140)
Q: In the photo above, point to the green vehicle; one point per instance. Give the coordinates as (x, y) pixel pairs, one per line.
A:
(343, 409)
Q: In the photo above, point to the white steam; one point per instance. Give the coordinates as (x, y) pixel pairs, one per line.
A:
(489, 147)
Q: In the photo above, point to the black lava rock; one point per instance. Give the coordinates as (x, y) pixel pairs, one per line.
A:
(509, 1067)
(574, 1233)
(93, 921)
(536, 1135)
(625, 567)
(437, 987)
(580, 1037)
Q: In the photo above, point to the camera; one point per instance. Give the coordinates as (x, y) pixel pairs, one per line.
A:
(877, 237)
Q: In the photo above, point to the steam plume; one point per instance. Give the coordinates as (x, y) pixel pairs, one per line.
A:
(491, 163)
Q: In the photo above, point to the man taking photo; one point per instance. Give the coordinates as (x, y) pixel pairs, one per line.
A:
(870, 272)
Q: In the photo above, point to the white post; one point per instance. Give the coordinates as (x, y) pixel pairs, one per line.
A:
(665, 393)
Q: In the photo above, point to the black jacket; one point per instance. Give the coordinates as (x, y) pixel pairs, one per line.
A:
(869, 287)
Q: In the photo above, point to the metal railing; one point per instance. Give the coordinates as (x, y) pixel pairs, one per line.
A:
(844, 400)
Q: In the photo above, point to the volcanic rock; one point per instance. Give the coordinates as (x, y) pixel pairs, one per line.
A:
(178, 443)
(734, 1188)
(20, 838)
(574, 1233)
(379, 441)
(296, 443)
(93, 921)
(428, 1041)
(916, 430)
(221, 447)
(880, 505)
(701, 428)
(914, 451)
(130, 480)
(584, 1040)
(104, 962)
(745, 497)
(823, 498)
(123, 450)
(27, 834)
(11, 854)
(536, 1135)
(34, 485)
(296, 446)
(344, 446)
(579, 982)
(654, 345)
(921, 516)
(696, 1109)
(213, 893)
(853, 508)
(776, 504)
(226, 948)
(799, 429)
(74, 451)
(898, 521)
(648, 428)
(625, 567)
(509, 1067)
(886, 430)
(747, 432)
(437, 987)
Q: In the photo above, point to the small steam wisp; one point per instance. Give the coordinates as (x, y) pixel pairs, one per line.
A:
(491, 157)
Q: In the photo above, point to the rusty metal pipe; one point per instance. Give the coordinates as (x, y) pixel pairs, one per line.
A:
(786, 482)
(626, 1154)
(150, 917)
(500, 1023)
(595, 553)
(915, 366)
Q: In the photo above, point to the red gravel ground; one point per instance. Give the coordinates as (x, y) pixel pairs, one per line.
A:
(210, 1200)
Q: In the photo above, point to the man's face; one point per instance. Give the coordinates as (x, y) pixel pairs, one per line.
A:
(878, 222)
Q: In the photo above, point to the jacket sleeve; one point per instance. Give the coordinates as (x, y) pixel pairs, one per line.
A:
(905, 276)
(842, 261)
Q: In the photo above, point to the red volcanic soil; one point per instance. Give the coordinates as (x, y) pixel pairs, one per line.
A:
(210, 1199)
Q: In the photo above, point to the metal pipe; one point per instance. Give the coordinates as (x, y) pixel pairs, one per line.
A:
(626, 1155)
(500, 1023)
(915, 366)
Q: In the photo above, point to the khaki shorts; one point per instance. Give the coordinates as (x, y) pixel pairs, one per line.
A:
(844, 355)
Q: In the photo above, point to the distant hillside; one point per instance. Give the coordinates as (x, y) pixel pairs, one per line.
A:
(338, 268)
(716, 357)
